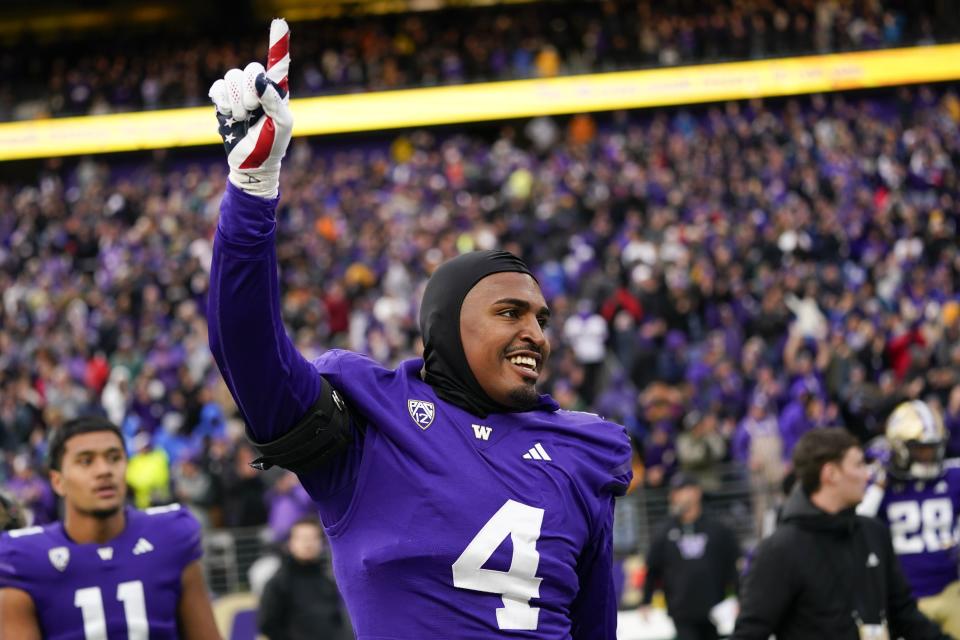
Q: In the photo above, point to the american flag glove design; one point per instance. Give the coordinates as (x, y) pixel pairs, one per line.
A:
(253, 111)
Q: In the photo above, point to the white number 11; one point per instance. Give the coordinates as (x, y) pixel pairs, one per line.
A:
(519, 583)
(90, 602)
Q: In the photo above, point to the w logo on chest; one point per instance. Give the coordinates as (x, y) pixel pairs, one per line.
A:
(422, 412)
(481, 432)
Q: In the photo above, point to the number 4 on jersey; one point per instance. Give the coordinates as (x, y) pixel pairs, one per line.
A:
(519, 583)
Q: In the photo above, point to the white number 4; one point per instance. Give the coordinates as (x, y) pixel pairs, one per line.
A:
(519, 583)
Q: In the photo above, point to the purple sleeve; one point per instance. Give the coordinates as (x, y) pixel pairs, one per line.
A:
(11, 574)
(272, 384)
(594, 612)
(187, 529)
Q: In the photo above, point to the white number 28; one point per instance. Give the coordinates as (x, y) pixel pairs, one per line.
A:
(519, 583)
(916, 527)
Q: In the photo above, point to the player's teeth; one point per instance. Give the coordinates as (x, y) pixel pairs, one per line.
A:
(524, 361)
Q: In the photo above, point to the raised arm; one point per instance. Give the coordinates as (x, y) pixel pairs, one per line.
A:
(273, 385)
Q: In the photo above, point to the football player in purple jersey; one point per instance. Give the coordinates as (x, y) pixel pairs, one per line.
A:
(918, 495)
(459, 502)
(107, 570)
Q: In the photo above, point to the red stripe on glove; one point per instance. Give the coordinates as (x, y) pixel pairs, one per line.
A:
(278, 50)
(262, 149)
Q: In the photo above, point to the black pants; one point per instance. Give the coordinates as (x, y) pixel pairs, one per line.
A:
(689, 630)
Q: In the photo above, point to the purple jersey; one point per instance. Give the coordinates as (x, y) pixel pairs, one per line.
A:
(127, 588)
(922, 515)
(481, 526)
(442, 525)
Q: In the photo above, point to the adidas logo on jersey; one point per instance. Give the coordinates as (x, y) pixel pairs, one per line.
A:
(143, 546)
(537, 452)
(482, 432)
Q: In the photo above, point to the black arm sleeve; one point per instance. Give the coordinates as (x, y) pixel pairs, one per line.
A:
(323, 433)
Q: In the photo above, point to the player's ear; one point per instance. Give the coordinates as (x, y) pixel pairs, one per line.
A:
(828, 473)
(56, 482)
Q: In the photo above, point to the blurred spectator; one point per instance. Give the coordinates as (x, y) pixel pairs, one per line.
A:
(586, 333)
(244, 491)
(289, 502)
(148, 473)
(693, 558)
(300, 602)
(701, 449)
(194, 488)
(758, 446)
(32, 491)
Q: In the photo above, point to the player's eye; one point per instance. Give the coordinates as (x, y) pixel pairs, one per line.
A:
(544, 321)
(510, 313)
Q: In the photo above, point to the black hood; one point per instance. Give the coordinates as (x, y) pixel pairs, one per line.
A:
(800, 511)
(445, 363)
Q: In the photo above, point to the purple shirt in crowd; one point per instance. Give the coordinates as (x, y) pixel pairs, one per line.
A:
(127, 588)
(442, 524)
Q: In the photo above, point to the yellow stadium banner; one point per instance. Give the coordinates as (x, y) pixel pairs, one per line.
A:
(497, 100)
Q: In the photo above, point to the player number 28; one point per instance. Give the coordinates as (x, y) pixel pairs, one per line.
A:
(916, 526)
(90, 602)
(519, 583)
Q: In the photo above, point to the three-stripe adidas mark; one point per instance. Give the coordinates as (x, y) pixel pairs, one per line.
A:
(537, 452)
(143, 546)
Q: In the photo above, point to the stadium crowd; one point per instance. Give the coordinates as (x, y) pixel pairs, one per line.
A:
(175, 67)
(723, 279)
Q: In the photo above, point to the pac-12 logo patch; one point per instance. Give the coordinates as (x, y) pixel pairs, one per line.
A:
(59, 557)
(422, 412)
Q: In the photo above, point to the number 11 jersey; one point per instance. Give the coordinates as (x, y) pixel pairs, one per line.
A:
(125, 589)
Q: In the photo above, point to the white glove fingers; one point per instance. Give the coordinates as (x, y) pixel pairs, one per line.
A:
(218, 94)
(234, 82)
(249, 97)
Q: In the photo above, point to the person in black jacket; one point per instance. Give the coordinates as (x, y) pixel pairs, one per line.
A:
(827, 572)
(300, 602)
(694, 559)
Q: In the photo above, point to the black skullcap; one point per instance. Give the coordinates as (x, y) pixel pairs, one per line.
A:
(445, 363)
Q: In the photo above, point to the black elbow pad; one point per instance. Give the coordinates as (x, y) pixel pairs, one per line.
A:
(323, 433)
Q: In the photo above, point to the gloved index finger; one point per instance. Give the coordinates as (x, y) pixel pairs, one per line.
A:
(278, 56)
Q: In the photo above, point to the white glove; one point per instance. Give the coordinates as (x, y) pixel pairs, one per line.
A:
(254, 114)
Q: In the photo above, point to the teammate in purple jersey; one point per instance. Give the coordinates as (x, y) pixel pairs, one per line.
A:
(458, 501)
(918, 496)
(107, 571)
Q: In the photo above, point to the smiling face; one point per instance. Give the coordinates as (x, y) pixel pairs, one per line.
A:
(502, 320)
(92, 475)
